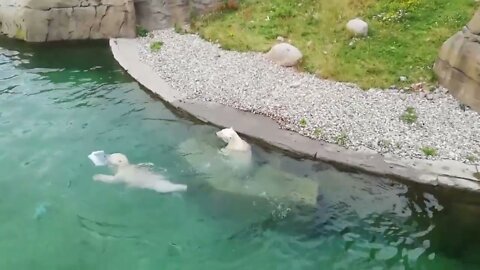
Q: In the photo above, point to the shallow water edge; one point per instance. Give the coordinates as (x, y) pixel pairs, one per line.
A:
(449, 174)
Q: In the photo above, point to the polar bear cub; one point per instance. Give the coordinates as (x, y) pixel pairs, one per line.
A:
(234, 142)
(136, 176)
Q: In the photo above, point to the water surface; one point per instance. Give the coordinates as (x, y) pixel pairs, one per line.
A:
(59, 102)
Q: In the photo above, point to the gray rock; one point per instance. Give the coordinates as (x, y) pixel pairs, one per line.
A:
(458, 62)
(357, 27)
(284, 54)
(295, 84)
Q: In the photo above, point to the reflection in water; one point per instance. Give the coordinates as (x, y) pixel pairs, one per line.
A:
(58, 103)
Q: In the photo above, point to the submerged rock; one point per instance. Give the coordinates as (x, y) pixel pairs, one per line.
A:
(40, 210)
(266, 181)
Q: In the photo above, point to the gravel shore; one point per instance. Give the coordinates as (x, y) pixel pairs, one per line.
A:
(332, 111)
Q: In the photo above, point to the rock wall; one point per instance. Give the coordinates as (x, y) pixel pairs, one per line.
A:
(158, 14)
(50, 20)
(458, 65)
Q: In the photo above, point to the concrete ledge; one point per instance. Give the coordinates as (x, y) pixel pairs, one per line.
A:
(438, 173)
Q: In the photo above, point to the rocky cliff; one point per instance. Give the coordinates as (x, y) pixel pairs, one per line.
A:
(158, 14)
(458, 65)
(50, 20)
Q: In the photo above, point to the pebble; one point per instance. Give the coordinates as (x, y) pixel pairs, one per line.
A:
(188, 64)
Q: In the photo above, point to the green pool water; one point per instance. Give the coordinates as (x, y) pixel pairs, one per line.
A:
(59, 102)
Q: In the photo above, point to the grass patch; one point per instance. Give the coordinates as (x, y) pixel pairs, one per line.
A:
(303, 122)
(409, 116)
(429, 151)
(342, 139)
(317, 132)
(141, 32)
(156, 46)
(385, 143)
(404, 35)
(472, 158)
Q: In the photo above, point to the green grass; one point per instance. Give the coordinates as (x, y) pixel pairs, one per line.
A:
(303, 122)
(472, 158)
(341, 139)
(404, 35)
(156, 46)
(141, 32)
(409, 116)
(429, 151)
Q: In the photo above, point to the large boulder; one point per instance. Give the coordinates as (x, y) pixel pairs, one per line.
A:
(284, 54)
(51, 20)
(357, 27)
(458, 64)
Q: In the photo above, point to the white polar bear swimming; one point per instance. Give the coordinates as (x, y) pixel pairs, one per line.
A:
(235, 143)
(136, 176)
(238, 151)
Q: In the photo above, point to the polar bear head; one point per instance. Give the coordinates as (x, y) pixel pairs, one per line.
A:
(227, 134)
(117, 160)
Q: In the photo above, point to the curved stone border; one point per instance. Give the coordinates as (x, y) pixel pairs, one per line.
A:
(443, 173)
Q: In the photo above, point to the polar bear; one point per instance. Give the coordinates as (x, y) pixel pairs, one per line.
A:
(136, 176)
(238, 152)
(234, 142)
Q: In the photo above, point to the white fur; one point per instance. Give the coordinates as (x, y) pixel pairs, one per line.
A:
(234, 142)
(136, 176)
(238, 152)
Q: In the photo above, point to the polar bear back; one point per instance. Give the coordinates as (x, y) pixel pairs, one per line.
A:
(136, 176)
(238, 144)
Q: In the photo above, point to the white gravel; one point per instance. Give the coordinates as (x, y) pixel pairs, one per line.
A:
(323, 109)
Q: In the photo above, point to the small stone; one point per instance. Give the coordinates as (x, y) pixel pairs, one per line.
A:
(429, 96)
(280, 39)
(417, 86)
(403, 78)
(295, 85)
(358, 27)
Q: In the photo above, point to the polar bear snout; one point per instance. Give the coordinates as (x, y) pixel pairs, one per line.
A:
(221, 136)
(117, 160)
